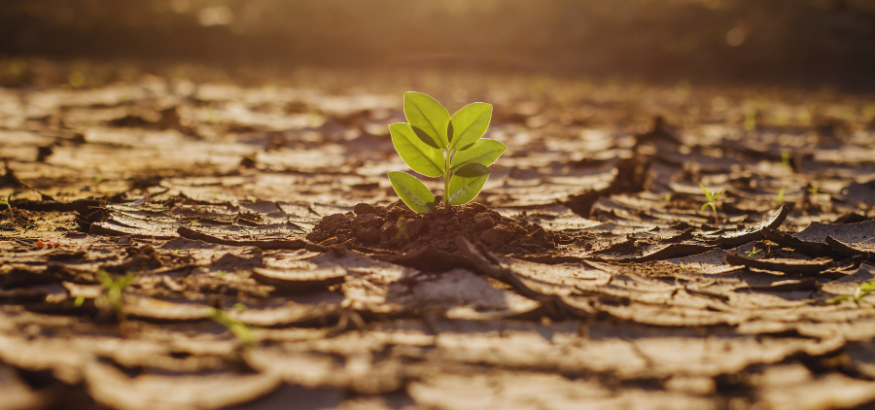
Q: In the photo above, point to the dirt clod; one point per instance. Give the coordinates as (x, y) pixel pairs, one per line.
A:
(402, 230)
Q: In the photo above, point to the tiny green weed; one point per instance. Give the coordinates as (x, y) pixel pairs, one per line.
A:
(113, 288)
(8, 203)
(780, 199)
(435, 144)
(240, 330)
(753, 251)
(712, 202)
(861, 292)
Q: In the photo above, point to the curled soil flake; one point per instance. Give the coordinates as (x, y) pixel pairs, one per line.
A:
(397, 228)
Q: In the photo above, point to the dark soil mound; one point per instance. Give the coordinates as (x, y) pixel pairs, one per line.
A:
(398, 228)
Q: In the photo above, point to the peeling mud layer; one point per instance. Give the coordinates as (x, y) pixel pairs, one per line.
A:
(271, 266)
(398, 228)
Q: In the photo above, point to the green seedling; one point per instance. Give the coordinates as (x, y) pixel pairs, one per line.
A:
(753, 251)
(667, 198)
(785, 160)
(813, 190)
(712, 202)
(113, 288)
(435, 144)
(240, 330)
(8, 203)
(780, 199)
(861, 292)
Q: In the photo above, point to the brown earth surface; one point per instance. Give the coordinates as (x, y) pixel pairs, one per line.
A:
(272, 266)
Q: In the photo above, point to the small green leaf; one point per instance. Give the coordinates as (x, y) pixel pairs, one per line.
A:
(704, 207)
(424, 137)
(419, 157)
(483, 152)
(240, 330)
(469, 124)
(424, 112)
(413, 192)
(463, 190)
(472, 170)
(707, 194)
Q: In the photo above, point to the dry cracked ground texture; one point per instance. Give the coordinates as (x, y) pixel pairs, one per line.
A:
(206, 193)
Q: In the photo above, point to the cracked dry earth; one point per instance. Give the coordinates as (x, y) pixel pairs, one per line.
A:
(587, 276)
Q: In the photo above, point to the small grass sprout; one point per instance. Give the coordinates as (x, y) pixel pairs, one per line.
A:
(780, 199)
(240, 330)
(861, 292)
(436, 144)
(8, 203)
(113, 289)
(753, 251)
(712, 202)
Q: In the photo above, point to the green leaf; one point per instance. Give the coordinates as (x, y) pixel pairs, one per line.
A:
(707, 194)
(704, 207)
(419, 157)
(424, 137)
(463, 190)
(483, 152)
(469, 124)
(413, 192)
(429, 116)
(472, 170)
(451, 133)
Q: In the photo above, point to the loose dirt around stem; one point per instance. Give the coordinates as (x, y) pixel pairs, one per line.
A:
(275, 267)
(397, 228)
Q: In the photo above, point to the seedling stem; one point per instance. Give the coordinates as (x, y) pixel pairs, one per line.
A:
(447, 175)
(712, 202)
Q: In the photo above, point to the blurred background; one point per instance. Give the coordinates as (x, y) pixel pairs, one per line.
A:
(792, 42)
